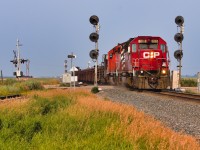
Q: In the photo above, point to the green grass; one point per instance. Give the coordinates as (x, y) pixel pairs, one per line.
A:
(12, 87)
(50, 123)
(47, 81)
(60, 119)
(9, 90)
(189, 82)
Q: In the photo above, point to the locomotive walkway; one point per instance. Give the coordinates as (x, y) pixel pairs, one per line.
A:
(181, 116)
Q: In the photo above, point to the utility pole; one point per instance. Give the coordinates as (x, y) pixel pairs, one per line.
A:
(1, 76)
(27, 67)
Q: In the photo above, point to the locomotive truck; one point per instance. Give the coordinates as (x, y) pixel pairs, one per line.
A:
(141, 62)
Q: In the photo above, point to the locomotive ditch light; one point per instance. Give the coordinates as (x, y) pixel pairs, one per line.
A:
(163, 71)
(142, 72)
(94, 20)
(179, 20)
(94, 37)
(178, 37)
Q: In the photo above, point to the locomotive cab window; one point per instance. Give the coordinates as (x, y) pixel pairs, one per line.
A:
(153, 46)
(133, 47)
(111, 56)
(163, 47)
(148, 46)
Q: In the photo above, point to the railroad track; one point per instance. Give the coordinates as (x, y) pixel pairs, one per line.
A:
(184, 96)
(10, 96)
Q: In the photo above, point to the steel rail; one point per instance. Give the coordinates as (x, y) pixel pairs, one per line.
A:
(9, 96)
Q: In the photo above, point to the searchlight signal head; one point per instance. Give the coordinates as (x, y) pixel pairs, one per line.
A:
(94, 20)
(179, 20)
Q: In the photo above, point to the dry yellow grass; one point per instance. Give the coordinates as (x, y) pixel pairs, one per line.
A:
(134, 125)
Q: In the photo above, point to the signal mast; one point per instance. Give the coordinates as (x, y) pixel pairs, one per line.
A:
(178, 54)
(94, 20)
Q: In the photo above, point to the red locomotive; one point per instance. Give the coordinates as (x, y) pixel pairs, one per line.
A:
(141, 62)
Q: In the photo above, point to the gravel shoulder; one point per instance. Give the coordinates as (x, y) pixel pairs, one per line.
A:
(179, 115)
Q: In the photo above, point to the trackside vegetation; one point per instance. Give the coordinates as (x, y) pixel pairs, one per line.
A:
(64, 119)
(189, 82)
(18, 87)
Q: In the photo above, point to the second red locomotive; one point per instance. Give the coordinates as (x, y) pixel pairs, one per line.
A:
(141, 62)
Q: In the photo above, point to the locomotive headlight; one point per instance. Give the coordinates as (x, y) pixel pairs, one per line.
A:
(163, 71)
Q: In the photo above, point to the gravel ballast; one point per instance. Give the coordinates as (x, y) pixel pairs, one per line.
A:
(181, 116)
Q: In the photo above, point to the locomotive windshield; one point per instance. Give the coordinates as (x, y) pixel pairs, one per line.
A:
(148, 46)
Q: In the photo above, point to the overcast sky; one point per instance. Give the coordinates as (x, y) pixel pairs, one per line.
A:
(51, 29)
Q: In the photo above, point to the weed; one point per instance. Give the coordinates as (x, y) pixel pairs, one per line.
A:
(9, 90)
(106, 99)
(31, 85)
(15, 87)
(10, 81)
(95, 90)
(1, 124)
(64, 84)
(188, 82)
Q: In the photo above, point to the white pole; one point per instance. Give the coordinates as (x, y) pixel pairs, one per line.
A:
(18, 58)
(73, 77)
(96, 63)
